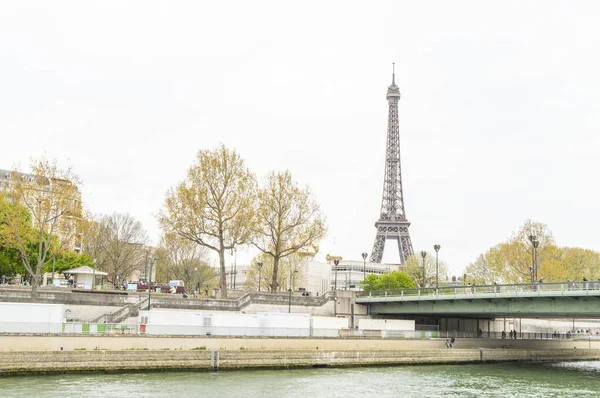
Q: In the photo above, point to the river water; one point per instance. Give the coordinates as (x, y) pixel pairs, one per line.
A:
(564, 379)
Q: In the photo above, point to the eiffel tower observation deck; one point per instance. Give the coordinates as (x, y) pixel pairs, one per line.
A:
(392, 223)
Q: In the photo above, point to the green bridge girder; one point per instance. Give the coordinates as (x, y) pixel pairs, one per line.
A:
(490, 302)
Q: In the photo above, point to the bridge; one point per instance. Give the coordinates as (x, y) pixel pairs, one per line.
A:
(537, 300)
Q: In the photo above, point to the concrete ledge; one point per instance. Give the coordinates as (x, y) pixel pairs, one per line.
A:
(137, 342)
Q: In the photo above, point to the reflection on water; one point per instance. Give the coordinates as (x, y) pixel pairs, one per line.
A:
(565, 379)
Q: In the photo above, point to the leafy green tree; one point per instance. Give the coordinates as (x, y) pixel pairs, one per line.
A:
(12, 214)
(10, 262)
(288, 220)
(68, 260)
(511, 261)
(52, 199)
(395, 280)
(214, 205)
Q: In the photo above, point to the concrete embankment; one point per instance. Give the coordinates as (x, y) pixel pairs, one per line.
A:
(29, 362)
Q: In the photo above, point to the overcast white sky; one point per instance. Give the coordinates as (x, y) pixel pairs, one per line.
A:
(499, 115)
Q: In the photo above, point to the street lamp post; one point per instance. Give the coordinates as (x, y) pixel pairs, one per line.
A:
(535, 266)
(532, 239)
(437, 249)
(364, 256)
(291, 284)
(260, 264)
(423, 254)
(152, 260)
(335, 262)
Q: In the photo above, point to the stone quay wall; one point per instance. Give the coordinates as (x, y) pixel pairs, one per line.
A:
(49, 362)
(60, 354)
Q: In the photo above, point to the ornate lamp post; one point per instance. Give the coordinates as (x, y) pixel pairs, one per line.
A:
(152, 260)
(437, 249)
(532, 239)
(259, 264)
(364, 256)
(291, 281)
(423, 254)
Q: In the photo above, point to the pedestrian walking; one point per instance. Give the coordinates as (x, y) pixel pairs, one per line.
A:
(447, 343)
(452, 342)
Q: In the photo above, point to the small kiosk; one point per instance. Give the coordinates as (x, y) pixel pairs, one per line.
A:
(83, 277)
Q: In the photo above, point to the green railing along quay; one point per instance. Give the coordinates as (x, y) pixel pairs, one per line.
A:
(553, 300)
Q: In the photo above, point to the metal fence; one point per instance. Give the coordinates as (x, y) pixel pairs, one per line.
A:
(106, 329)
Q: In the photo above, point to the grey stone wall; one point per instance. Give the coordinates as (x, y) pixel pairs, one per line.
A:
(25, 362)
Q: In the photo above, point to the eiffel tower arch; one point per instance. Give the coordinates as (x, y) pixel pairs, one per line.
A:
(392, 223)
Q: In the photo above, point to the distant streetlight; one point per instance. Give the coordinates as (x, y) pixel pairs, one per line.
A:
(535, 265)
(423, 254)
(291, 284)
(364, 256)
(532, 239)
(437, 249)
(259, 264)
(152, 260)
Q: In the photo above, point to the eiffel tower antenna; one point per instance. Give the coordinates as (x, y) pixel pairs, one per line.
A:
(392, 223)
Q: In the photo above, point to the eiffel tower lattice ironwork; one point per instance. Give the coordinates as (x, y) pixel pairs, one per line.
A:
(392, 223)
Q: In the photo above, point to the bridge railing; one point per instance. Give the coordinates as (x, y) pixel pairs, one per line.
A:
(526, 289)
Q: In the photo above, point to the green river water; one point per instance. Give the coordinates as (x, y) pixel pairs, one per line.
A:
(564, 379)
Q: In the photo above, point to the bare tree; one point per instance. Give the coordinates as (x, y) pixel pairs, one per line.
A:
(413, 267)
(288, 219)
(182, 259)
(117, 243)
(213, 206)
(261, 276)
(51, 196)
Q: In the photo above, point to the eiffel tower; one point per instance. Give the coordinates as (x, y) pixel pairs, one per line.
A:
(392, 223)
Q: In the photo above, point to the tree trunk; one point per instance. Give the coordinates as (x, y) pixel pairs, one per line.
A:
(223, 279)
(274, 283)
(34, 286)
